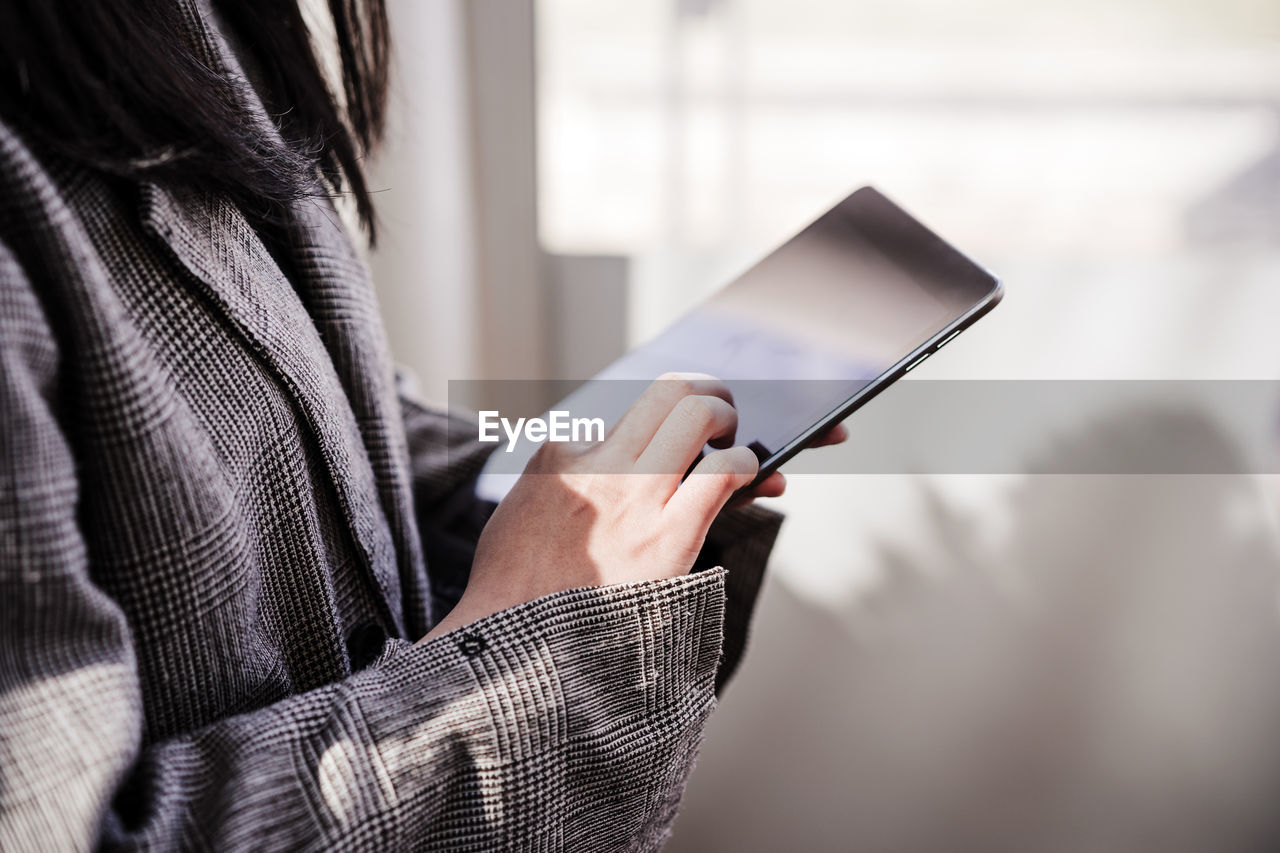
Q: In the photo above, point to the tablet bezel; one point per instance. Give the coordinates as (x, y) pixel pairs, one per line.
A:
(933, 263)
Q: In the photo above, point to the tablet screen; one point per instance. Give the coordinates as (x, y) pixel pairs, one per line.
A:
(807, 328)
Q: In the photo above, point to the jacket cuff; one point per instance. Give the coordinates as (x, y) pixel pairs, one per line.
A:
(618, 676)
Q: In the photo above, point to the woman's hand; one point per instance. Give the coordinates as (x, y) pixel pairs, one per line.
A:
(616, 511)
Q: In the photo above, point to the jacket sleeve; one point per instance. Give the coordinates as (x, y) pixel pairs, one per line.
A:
(446, 458)
(569, 721)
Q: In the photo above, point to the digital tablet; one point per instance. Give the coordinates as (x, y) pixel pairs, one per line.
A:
(804, 338)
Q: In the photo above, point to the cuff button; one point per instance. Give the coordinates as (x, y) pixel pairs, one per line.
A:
(471, 645)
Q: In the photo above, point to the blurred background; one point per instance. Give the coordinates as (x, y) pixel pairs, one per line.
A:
(980, 662)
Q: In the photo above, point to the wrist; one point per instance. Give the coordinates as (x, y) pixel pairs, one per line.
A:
(475, 604)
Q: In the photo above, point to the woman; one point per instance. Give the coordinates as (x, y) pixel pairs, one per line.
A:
(241, 599)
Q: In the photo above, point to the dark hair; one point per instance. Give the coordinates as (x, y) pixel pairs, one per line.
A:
(111, 84)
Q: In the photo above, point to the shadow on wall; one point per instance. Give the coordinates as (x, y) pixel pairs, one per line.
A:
(1110, 682)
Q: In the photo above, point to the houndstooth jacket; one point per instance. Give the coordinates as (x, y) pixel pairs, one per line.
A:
(222, 528)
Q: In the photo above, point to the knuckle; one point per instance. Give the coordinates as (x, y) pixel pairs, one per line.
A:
(675, 385)
(721, 464)
(698, 411)
(548, 457)
(740, 462)
(581, 449)
(711, 467)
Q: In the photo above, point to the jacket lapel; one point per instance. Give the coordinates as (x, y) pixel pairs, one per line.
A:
(339, 296)
(322, 335)
(225, 258)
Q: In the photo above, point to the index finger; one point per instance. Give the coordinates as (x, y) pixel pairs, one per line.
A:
(637, 427)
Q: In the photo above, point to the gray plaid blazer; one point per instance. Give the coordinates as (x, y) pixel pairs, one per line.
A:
(221, 529)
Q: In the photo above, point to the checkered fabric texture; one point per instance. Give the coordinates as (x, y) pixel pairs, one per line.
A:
(221, 527)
